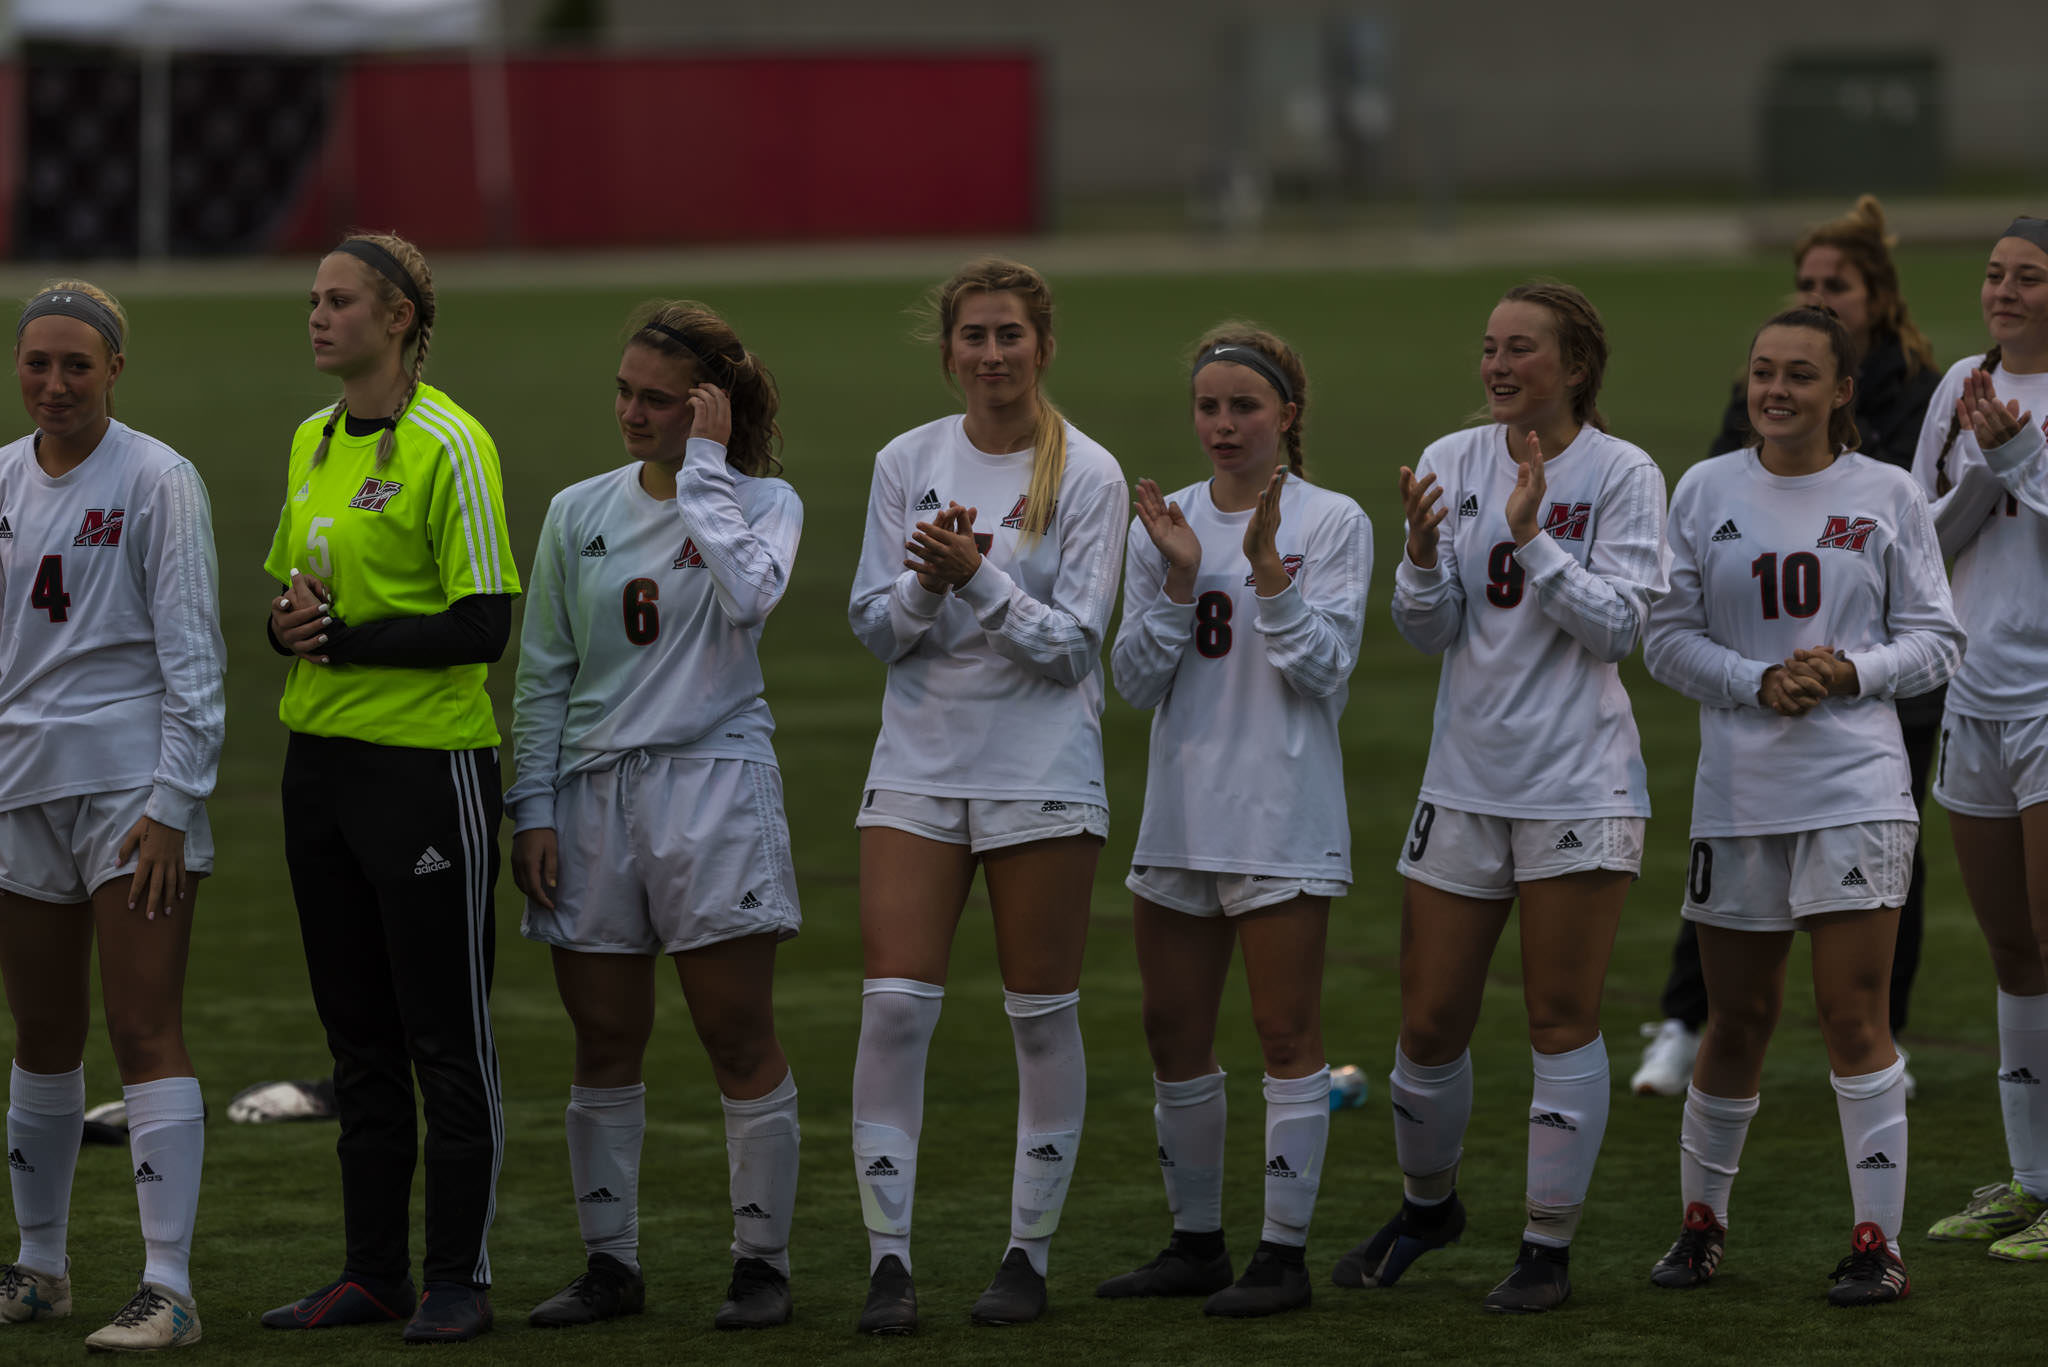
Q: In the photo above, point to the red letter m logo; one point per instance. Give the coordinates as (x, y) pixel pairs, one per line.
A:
(374, 494)
(1844, 534)
(1567, 521)
(102, 527)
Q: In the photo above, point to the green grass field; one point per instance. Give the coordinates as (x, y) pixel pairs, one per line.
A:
(1392, 360)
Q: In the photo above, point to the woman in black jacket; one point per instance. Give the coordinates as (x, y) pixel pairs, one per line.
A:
(1844, 265)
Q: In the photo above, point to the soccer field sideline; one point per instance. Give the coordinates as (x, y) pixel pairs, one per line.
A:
(269, 1220)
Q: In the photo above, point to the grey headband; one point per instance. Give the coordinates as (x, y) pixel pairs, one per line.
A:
(72, 304)
(1251, 358)
(2034, 230)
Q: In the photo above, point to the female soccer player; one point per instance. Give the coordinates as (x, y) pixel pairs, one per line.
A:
(1981, 459)
(648, 807)
(111, 721)
(1806, 593)
(1243, 602)
(398, 593)
(1845, 265)
(986, 581)
(1535, 788)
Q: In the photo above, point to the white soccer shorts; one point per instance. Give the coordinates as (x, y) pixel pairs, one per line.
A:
(1199, 892)
(63, 850)
(1991, 768)
(662, 855)
(1768, 882)
(1485, 857)
(981, 824)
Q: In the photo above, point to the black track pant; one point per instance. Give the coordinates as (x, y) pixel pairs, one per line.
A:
(1685, 991)
(393, 855)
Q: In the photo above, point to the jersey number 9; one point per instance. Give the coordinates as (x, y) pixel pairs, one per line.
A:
(1504, 575)
(643, 618)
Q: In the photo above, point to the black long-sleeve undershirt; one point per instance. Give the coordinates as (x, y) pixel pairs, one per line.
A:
(471, 631)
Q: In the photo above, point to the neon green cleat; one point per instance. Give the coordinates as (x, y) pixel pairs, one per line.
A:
(2030, 1245)
(1994, 1212)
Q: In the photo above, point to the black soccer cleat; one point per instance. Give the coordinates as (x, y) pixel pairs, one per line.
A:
(450, 1312)
(1275, 1280)
(1693, 1259)
(758, 1297)
(1541, 1281)
(1187, 1266)
(1872, 1274)
(350, 1300)
(1016, 1296)
(892, 1300)
(1416, 1230)
(604, 1290)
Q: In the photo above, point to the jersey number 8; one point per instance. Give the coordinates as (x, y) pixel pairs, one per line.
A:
(1212, 624)
(643, 618)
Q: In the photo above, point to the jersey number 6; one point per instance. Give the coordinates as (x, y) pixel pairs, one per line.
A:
(643, 618)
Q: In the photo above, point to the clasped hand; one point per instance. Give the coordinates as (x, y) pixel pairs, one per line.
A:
(1808, 678)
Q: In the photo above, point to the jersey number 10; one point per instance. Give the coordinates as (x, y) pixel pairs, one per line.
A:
(1800, 579)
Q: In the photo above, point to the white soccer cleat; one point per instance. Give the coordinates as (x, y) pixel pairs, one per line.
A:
(157, 1317)
(26, 1294)
(1667, 1059)
(268, 1102)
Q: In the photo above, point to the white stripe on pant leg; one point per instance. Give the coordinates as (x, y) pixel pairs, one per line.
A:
(470, 819)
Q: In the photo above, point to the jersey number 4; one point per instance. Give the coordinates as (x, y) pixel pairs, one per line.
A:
(643, 617)
(47, 592)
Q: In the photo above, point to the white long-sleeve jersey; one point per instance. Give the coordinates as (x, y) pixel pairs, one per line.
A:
(1763, 565)
(111, 658)
(1246, 773)
(643, 624)
(1531, 716)
(1995, 523)
(994, 690)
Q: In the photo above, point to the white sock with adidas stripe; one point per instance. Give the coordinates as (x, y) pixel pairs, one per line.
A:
(1297, 1133)
(1189, 1117)
(897, 1017)
(167, 1140)
(606, 1128)
(2023, 1088)
(761, 1160)
(45, 1117)
(1873, 1111)
(1567, 1121)
(1052, 1094)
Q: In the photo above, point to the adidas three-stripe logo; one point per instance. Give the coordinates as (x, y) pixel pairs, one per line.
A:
(1045, 1153)
(1551, 1119)
(19, 1161)
(930, 502)
(749, 902)
(595, 546)
(146, 1173)
(882, 1167)
(1164, 1161)
(750, 1211)
(2023, 1077)
(601, 1197)
(430, 862)
(1277, 1167)
(1877, 1160)
(1470, 507)
(1728, 531)
(1854, 878)
(1569, 841)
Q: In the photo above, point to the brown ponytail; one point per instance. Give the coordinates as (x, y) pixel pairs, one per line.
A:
(687, 330)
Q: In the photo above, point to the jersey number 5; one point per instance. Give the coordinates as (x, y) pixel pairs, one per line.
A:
(643, 618)
(47, 592)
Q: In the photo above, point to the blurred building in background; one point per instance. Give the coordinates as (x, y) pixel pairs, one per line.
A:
(195, 127)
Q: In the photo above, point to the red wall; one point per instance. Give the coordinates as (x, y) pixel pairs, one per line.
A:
(653, 150)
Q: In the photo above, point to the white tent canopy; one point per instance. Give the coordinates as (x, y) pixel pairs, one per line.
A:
(297, 26)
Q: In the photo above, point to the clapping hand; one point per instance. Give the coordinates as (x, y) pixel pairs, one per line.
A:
(1261, 536)
(1527, 495)
(1978, 408)
(1175, 539)
(1424, 507)
(947, 555)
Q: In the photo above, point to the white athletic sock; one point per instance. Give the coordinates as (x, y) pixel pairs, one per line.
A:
(1873, 1111)
(606, 1127)
(1567, 1120)
(1051, 1099)
(167, 1139)
(45, 1117)
(897, 1017)
(1052, 1093)
(761, 1156)
(1710, 1147)
(2023, 1088)
(1189, 1117)
(1297, 1133)
(1432, 1108)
